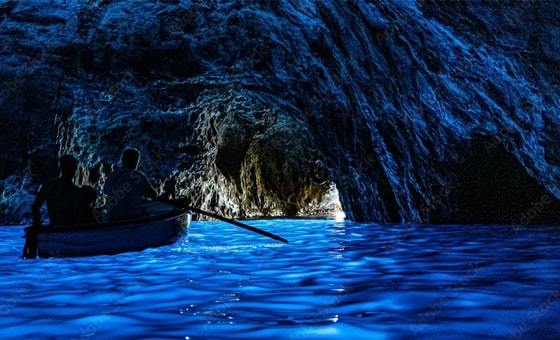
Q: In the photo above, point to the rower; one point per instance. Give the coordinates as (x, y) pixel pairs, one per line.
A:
(126, 188)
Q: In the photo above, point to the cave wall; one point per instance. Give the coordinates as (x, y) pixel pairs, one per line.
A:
(257, 108)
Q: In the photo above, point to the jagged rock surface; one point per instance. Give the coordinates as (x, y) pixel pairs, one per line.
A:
(426, 111)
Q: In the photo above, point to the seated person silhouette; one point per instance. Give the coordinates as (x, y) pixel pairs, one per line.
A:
(126, 187)
(91, 213)
(63, 197)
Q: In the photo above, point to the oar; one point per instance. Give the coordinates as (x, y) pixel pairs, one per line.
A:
(180, 204)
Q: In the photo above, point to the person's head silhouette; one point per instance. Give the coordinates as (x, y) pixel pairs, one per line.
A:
(68, 166)
(130, 158)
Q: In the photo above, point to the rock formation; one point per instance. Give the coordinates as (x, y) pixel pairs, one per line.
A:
(415, 111)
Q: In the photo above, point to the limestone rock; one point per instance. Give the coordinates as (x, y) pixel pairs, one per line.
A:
(416, 111)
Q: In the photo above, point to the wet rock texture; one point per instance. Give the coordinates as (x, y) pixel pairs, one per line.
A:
(416, 111)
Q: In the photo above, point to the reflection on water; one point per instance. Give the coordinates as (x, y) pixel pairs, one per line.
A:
(332, 281)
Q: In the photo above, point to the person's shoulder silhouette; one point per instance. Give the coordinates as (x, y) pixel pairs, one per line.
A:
(63, 197)
(126, 188)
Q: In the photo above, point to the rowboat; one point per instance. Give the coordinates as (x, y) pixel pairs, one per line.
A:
(164, 225)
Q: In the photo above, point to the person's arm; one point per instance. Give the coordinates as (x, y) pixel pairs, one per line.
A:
(150, 191)
(146, 187)
(36, 206)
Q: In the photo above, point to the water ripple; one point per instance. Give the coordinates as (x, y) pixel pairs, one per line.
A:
(333, 280)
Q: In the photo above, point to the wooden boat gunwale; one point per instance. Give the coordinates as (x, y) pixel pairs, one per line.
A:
(110, 224)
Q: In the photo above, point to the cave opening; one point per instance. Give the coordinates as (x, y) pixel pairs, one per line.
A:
(329, 205)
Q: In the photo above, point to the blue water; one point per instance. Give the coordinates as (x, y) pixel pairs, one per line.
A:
(332, 281)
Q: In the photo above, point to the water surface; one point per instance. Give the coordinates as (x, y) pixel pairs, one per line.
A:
(332, 281)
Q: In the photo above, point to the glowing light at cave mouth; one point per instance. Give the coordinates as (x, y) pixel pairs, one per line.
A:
(330, 205)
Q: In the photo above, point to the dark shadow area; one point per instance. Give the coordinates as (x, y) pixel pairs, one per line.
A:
(494, 188)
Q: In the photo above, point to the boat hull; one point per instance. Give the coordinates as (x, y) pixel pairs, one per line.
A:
(111, 238)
